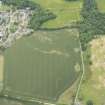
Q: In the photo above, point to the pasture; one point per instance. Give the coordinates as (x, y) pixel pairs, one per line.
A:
(101, 5)
(66, 12)
(93, 88)
(43, 65)
(4, 8)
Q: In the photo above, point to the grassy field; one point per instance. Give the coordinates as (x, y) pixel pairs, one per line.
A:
(101, 5)
(66, 12)
(94, 87)
(43, 65)
(4, 8)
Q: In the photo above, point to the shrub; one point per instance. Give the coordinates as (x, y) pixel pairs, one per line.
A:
(89, 102)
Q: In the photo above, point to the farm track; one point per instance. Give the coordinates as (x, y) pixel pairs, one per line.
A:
(82, 76)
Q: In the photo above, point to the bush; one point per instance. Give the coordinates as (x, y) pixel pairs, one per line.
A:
(89, 102)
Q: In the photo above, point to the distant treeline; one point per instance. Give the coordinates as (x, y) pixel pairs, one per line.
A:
(39, 15)
(92, 24)
(20, 4)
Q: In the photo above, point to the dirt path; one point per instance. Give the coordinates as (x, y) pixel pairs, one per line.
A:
(82, 76)
(1, 67)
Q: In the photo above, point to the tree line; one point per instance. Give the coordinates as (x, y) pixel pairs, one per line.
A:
(92, 24)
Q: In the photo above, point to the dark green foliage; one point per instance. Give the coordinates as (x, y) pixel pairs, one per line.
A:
(38, 18)
(93, 22)
(20, 4)
(89, 6)
(89, 102)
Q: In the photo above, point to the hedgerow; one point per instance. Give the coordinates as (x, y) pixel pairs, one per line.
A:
(38, 18)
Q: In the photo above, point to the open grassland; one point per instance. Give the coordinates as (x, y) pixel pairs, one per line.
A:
(94, 87)
(101, 5)
(66, 12)
(4, 8)
(43, 65)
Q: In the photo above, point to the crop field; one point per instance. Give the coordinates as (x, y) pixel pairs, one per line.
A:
(101, 5)
(66, 12)
(94, 87)
(43, 65)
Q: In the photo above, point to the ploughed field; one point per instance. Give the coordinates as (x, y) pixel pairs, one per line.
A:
(42, 66)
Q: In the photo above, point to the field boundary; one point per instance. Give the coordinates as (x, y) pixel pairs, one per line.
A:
(82, 76)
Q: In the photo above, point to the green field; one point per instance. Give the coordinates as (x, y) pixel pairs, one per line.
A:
(4, 8)
(66, 12)
(43, 65)
(101, 5)
(93, 88)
